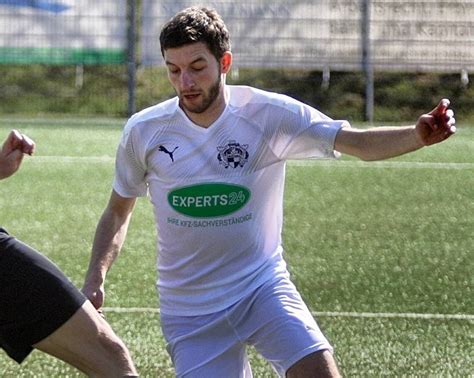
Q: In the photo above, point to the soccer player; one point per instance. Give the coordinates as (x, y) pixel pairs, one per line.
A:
(213, 162)
(40, 308)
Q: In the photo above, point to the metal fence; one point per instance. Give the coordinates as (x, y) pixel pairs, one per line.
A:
(377, 35)
(409, 35)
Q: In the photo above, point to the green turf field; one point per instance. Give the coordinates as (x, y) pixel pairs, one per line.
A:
(382, 252)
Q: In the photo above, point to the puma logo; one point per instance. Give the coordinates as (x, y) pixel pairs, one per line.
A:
(165, 150)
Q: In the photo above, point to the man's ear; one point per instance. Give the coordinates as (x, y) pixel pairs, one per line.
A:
(226, 62)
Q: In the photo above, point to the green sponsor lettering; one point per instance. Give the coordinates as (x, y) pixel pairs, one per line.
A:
(208, 200)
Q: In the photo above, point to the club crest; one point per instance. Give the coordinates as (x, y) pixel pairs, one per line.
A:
(233, 154)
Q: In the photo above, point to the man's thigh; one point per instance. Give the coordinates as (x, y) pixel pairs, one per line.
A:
(35, 297)
(205, 346)
(281, 327)
(274, 319)
(87, 342)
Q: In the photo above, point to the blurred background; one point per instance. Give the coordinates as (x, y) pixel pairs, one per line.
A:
(376, 61)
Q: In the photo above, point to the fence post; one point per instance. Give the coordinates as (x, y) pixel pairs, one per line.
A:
(367, 61)
(131, 65)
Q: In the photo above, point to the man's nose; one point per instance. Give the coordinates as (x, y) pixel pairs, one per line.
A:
(186, 80)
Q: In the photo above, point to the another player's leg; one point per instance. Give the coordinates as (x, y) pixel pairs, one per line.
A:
(87, 342)
(40, 307)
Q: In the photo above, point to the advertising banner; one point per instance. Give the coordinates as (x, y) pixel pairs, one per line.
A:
(62, 32)
(409, 35)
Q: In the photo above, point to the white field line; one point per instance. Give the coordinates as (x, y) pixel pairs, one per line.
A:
(295, 163)
(379, 164)
(391, 315)
(331, 314)
(63, 121)
(73, 159)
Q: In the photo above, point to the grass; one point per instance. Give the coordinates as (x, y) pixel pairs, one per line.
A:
(390, 237)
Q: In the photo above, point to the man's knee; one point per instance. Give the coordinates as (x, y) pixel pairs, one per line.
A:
(87, 342)
(112, 344)
(317, 364)
(109, 346)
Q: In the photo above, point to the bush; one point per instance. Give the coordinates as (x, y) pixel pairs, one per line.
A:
(102, 90)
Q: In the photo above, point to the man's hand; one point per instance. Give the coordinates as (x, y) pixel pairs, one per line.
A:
(95, 294)
(13, 150)
(437, 125)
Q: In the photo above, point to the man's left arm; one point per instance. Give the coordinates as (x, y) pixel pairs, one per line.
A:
(385, 142)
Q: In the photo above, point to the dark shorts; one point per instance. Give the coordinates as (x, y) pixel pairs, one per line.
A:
(36, 298)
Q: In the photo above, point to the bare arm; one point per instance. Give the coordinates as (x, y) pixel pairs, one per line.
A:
(109, 238)
(11, 155)
(386, 142)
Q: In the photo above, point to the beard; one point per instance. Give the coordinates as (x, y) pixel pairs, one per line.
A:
(208, 98)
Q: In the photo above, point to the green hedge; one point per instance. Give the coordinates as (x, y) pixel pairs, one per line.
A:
(102, 90)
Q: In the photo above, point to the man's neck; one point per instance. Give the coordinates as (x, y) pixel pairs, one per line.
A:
(212, 114)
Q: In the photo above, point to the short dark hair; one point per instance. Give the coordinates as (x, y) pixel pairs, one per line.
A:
(196, 24)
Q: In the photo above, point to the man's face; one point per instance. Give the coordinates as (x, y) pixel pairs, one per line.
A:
(195, 75)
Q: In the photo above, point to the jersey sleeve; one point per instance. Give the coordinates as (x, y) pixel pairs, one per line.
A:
(305, 132)
(130, 167)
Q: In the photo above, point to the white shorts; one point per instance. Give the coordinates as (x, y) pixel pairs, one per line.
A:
(274, 319)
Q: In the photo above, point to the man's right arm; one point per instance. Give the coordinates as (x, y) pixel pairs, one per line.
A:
(109, 238)
(12, 151)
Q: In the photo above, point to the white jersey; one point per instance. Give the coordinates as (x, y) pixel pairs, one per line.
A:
(217, 192)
